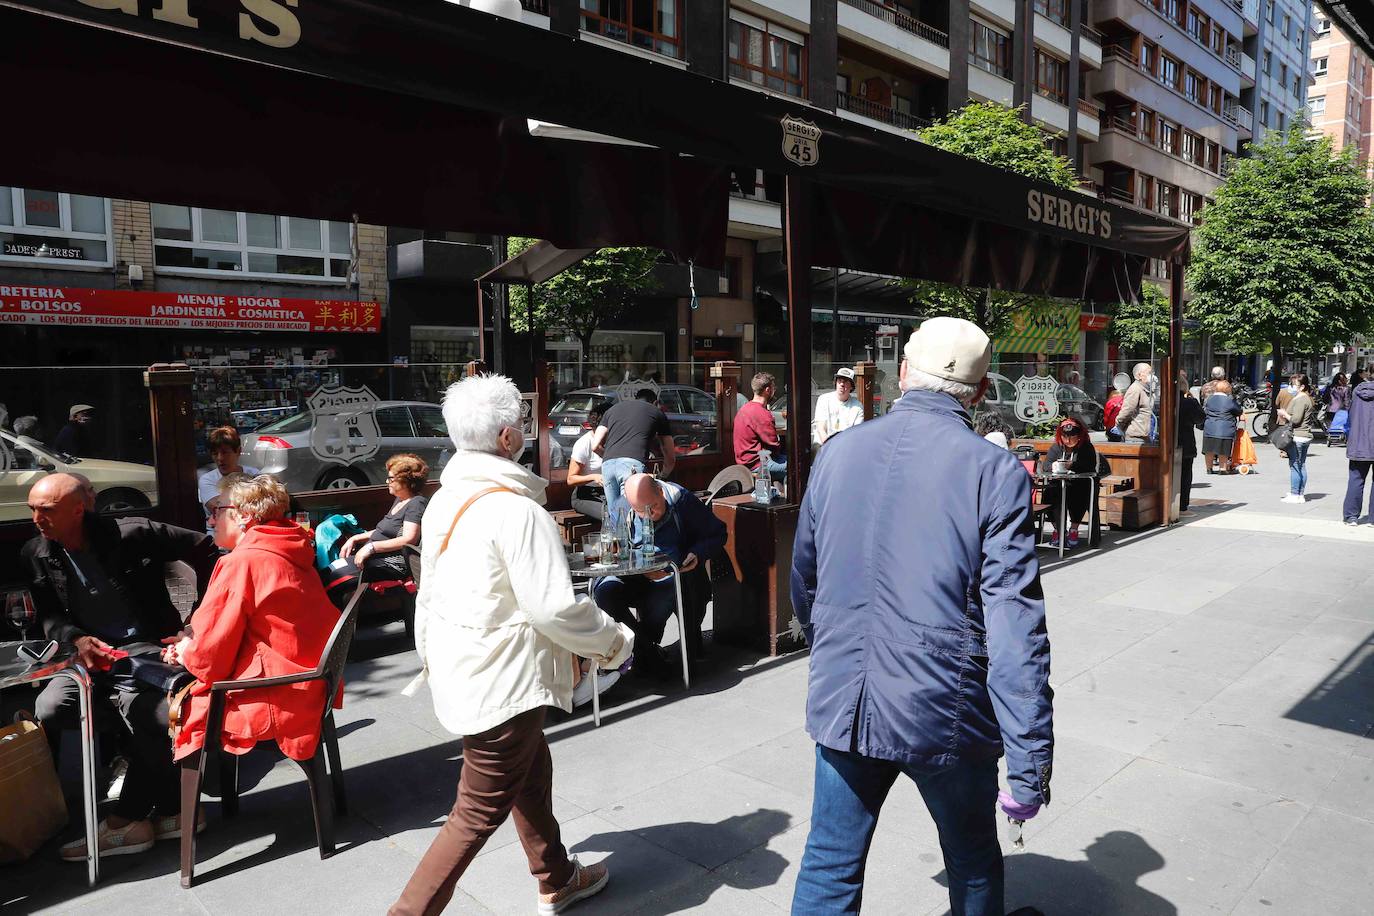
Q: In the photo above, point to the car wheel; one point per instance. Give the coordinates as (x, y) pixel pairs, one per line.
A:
(120, 500)
(341, 479)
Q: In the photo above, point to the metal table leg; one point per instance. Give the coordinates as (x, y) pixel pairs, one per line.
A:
(1063, 515)
(78, 673)
(1094, 526)
(596, 694)
(681, 624)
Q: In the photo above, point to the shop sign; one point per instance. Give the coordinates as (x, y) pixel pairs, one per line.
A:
(1051, 328)
(196, 311)
(1036, 398)
(801, 141)
(1094, 322)
(343, 424)
(29, 250)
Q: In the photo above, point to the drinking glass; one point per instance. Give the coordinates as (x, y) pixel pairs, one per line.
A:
(19, 611)
(591, 547)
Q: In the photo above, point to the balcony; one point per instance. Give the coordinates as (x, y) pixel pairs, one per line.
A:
(1122, 74)
(1089, 119)
(901, 20)
(1124, 142)
(862, 107)
(1238, 117)
(538, 7)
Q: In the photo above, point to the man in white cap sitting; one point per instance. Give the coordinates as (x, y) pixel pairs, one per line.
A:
(75, 437)
(917, 586)
(836, 410)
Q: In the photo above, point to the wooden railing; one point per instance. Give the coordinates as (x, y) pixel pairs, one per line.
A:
(901, 20)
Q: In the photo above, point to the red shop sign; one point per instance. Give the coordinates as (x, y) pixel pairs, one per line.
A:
(115, 308)
(1094, 322)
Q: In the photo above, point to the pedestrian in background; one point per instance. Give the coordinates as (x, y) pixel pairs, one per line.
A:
(1136, 419)
(1221, 413)
(929, 654)
(1359, 449)
(1210, 386)
(836, 410)
(1112, 408)
(1190, 417)
(994, 428)
(1298, 414)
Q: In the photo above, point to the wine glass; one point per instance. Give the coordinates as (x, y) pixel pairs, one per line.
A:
(19, 611)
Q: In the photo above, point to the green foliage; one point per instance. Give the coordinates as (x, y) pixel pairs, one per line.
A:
(995, 134)
(1285, 253)
(1042, 429)
(597, 289)
(1137, 326)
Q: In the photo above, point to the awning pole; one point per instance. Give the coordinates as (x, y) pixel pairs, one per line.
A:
(835, 318)
(1169, 439)
(797, 241)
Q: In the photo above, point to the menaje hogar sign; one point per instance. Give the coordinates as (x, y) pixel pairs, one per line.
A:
(1066, 213)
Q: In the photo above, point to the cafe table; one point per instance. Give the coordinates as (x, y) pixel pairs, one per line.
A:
(636, 564)
(16, 671)
(1047, 478)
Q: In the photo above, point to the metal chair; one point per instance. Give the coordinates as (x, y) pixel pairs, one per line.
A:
(317, 773)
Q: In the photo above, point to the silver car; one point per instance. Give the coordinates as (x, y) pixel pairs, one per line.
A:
(283, 447)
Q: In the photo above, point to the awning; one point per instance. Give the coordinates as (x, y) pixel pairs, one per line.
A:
(1355, 19)
(540, 262)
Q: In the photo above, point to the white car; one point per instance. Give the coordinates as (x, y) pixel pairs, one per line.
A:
(119, 485)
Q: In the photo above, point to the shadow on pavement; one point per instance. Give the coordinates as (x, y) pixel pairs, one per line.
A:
(1105, 883)
(1343, 700)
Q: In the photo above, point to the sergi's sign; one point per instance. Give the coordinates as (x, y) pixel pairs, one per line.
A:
(268, 21)
(1075, 212)
(68, 305)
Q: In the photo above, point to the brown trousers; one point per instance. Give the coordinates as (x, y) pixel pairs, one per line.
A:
(507, 770)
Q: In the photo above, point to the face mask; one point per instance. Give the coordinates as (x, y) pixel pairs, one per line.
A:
(519, 452)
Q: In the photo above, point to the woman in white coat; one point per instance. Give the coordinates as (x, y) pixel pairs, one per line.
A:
(496, 627)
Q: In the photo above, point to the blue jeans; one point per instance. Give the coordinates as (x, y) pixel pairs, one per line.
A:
(1297, 466)
(1354, 489)
(777, 470)
(614, 473)
(850, 789)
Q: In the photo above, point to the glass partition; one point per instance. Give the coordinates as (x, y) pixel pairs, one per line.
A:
(93, 422)
(1033, 396)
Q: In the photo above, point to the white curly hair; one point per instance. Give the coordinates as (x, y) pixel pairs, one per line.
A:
(477, 408)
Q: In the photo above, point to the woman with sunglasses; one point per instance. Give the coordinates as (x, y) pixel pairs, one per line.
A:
(1070, 444)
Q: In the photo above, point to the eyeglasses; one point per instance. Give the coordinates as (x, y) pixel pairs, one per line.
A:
(214, 513)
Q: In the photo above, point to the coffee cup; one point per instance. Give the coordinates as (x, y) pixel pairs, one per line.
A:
(1060, 467)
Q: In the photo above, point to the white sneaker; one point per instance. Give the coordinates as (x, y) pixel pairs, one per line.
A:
(1296, 498)
(582, 693)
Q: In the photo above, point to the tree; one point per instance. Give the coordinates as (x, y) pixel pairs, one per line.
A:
(597, 289)
(1143, 325)
(995, 134)
(1284, 255)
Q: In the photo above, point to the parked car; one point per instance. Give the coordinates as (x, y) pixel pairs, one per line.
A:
(119, 485)
(282, 448)
(1001, 397)
(691, 416)
(1074, 400)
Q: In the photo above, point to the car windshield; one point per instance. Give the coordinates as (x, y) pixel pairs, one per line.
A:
(577, 403)
(296, 423)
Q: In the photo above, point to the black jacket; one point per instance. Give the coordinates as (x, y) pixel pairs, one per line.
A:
(134, 553)
(1190, 417)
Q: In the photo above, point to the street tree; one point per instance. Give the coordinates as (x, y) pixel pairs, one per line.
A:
(1284, 255)
(998, 135)
(599, 288)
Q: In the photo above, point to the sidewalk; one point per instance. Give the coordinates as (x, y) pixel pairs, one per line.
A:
(1215, 700)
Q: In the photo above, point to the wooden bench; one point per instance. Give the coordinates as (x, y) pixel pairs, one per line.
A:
(1131, 509)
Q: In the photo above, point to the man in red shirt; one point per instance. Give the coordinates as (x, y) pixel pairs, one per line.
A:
(755, 430)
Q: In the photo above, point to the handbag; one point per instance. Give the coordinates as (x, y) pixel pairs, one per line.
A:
(1281, 437)
(30, 794)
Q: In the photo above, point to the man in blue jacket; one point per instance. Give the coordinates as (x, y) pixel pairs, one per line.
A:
(688, 532)
(917, 586)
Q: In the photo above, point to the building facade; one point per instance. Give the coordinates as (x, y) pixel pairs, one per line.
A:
(1339, 101)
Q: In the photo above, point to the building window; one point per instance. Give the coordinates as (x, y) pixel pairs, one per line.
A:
(1287, 27)
(1058, 144)
(1218, 42)
(1318, 105)
(1264, 112)
(1323, 25)
(1056, 10)
(655, 25)
(1214, 157)
(1168, 136)
(1172, 9)
(1269, 12)
(1169, 70)
(1197, 26)
(1268, 62)
(1297, 87)
(251, 244)
(1319, 66)
(1149, 58)
(1192, 148)
(1166, 199)
(1147, 124)
(1189, 204)
(53, 228)
(1051, 77)
(1282, 120)
(1217, 98)
(767, 55)
(989, 49)
(1194, 88)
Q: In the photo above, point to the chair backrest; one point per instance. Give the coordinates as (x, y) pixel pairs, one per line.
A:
(181, 587)
(412, 555)
(735, 480)
(335, 654)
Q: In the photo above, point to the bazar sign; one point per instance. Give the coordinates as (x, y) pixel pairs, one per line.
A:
(270, 22)
(132, 309)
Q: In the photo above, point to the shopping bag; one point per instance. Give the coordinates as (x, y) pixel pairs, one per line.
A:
(30, 794)
(1243, 455)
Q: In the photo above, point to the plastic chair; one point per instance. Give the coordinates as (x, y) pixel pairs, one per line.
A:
(735, 480)
(325, 803)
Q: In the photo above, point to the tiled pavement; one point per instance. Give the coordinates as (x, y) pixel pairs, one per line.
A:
(1215, 699)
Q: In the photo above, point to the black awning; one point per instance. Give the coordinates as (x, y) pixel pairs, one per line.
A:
(540, 262)
(414, 114)
(1355, 19)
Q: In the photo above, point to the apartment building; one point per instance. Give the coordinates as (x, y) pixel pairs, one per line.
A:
(1340, 102)
(1280, 47)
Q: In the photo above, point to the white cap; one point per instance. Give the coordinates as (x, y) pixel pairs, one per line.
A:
(78, 408)
(950, 348)
(846, 372)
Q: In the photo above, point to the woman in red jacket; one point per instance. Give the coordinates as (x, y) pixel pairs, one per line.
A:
(264, 614)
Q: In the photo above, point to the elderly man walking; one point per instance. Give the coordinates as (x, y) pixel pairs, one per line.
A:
(917, 587)
(494, 622)
(1136, 419)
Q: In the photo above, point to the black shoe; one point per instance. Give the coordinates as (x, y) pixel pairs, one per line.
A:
(650, 662)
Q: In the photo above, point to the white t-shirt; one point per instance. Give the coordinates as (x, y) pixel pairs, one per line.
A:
(833, 417)
(582, 453)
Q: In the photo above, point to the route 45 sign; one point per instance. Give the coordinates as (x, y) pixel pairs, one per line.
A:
(801, 141)
(1036, 398)
(343, 425)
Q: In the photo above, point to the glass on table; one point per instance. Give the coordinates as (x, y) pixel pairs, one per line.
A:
(591, 547)
(19, 611)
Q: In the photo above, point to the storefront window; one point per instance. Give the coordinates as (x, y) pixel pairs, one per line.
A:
(53, 229)
(253, 244)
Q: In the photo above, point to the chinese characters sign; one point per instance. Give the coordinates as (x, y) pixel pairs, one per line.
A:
(132, 309)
